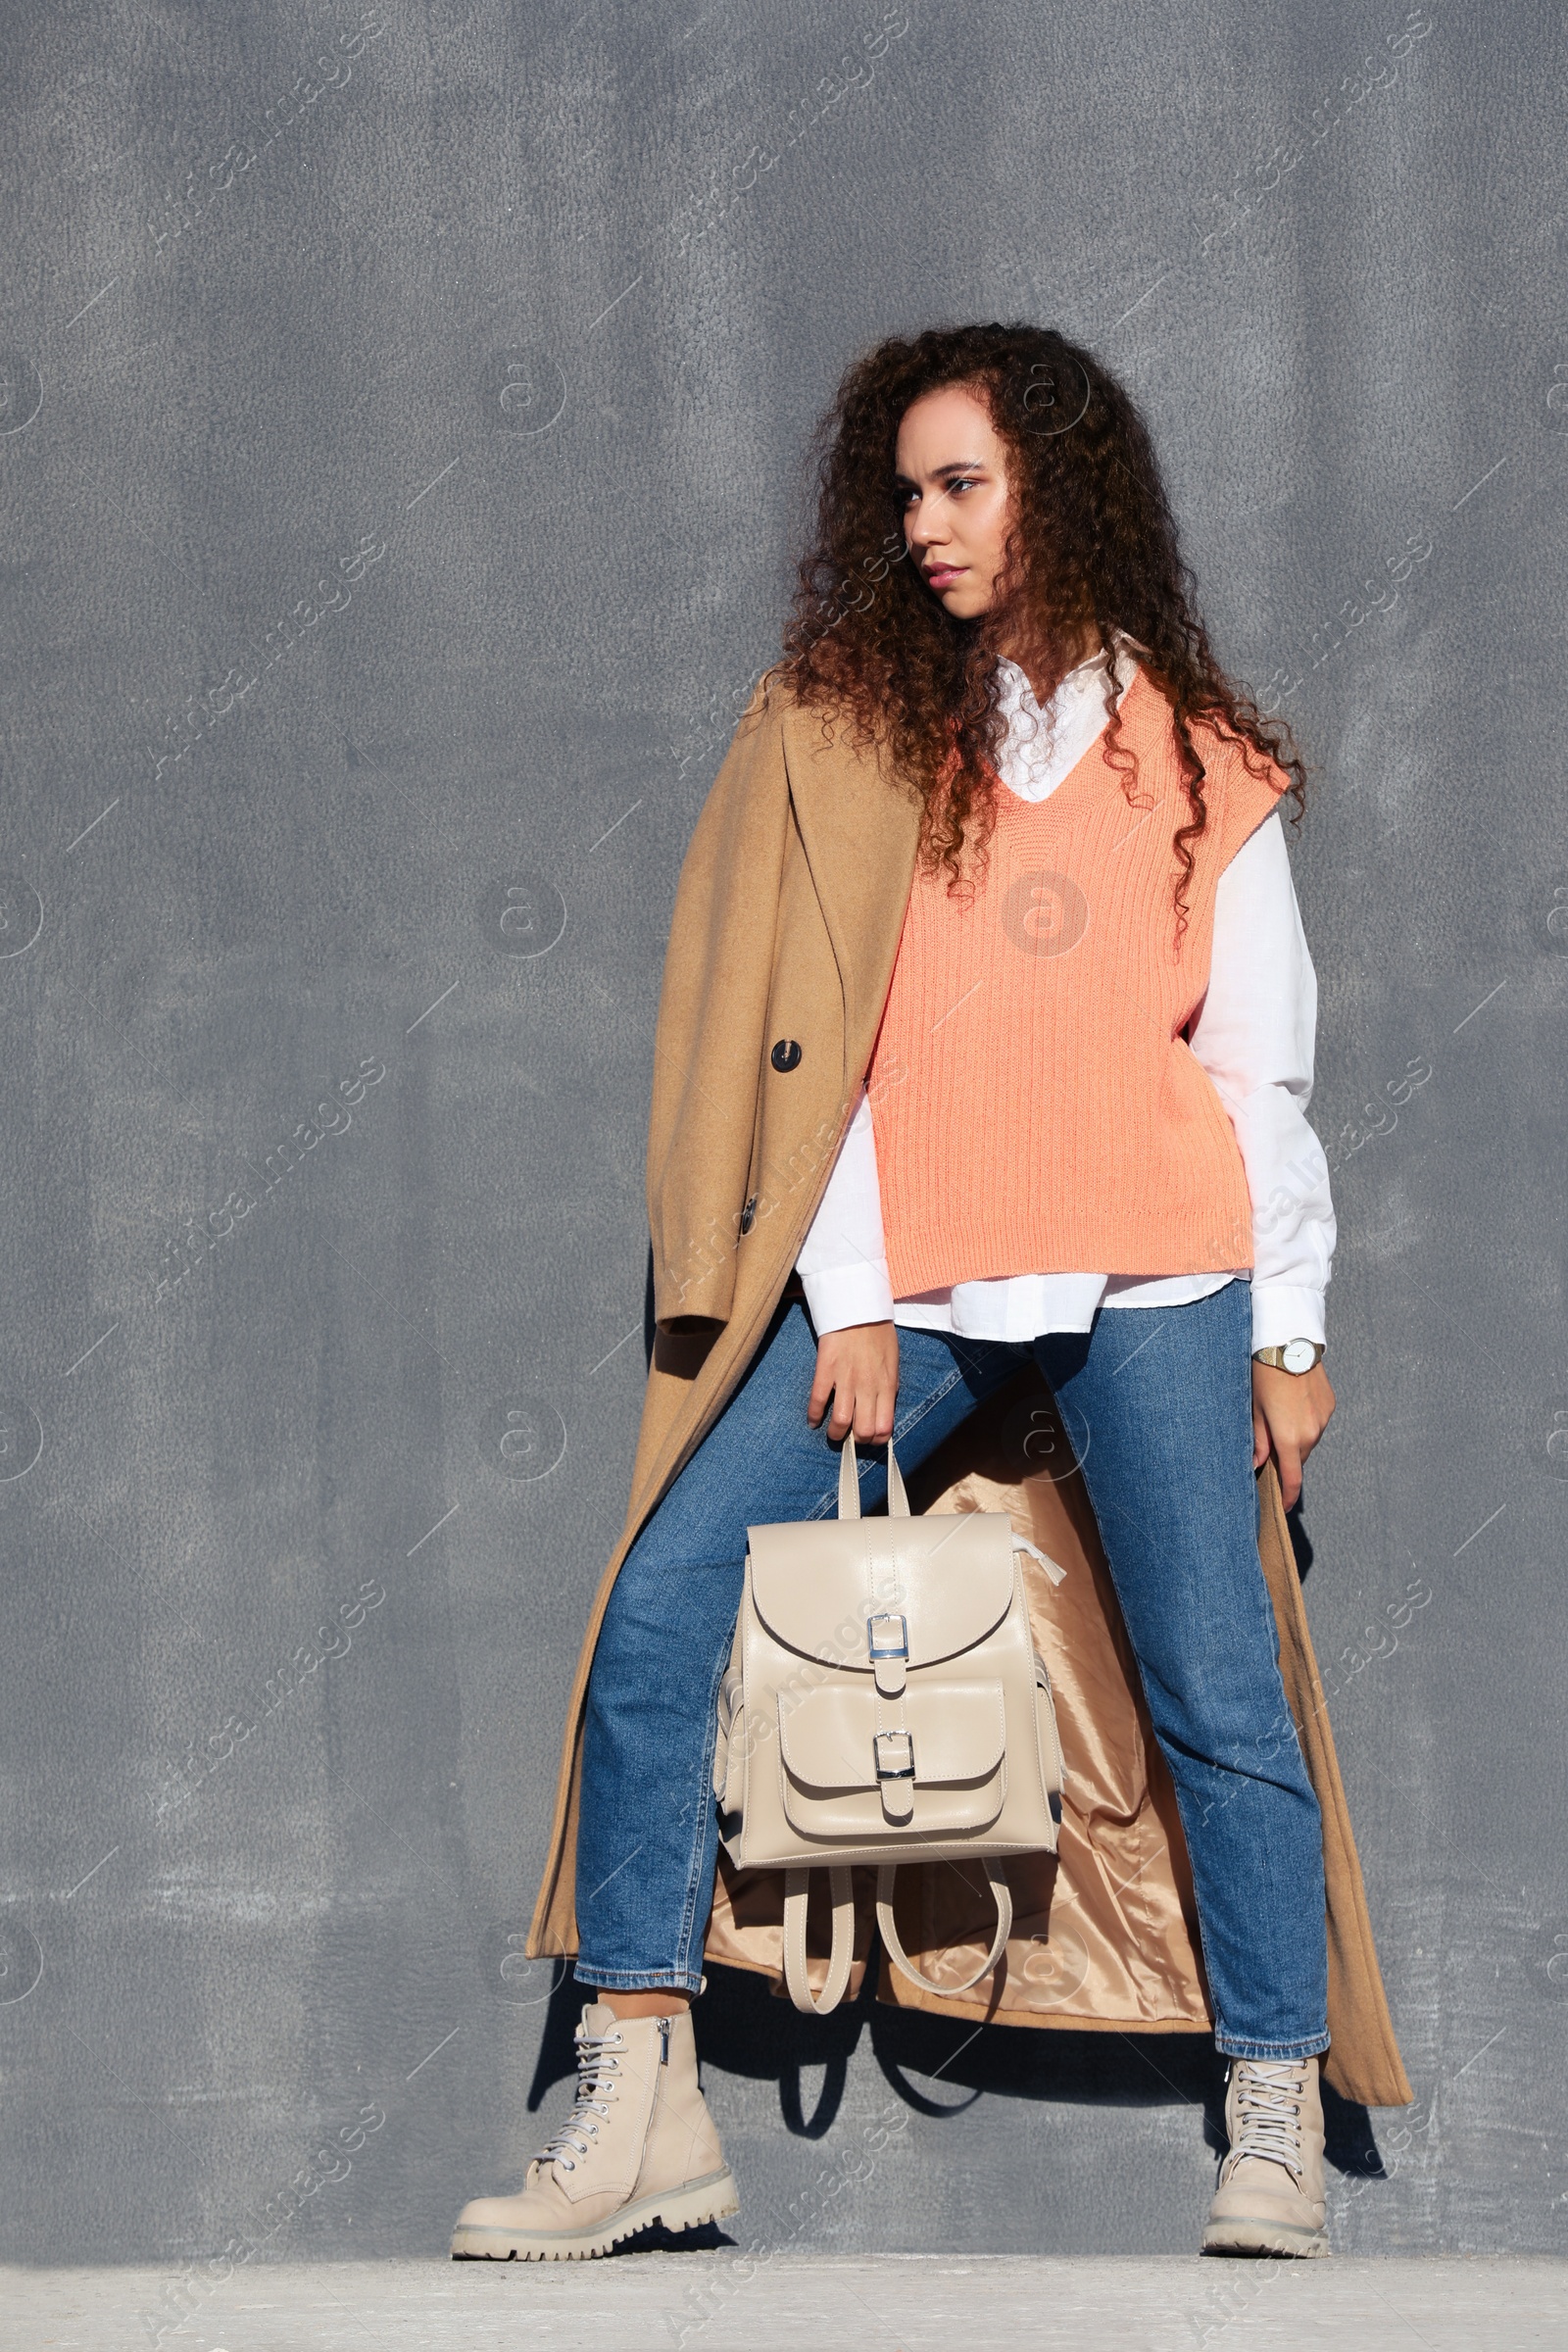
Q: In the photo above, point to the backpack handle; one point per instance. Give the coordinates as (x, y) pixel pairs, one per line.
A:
(849, 1483)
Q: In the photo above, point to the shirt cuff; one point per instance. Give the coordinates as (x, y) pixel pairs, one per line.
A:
(1285, 1310)
(846, 1295)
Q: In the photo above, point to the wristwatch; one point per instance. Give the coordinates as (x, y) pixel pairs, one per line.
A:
(1297, 1355)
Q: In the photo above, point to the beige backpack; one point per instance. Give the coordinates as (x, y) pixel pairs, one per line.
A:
(884, 1703)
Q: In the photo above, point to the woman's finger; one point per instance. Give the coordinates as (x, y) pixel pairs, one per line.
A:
(1290, 1469)
(1261, 1439)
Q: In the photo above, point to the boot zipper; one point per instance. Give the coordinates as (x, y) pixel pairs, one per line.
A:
(663, 2041)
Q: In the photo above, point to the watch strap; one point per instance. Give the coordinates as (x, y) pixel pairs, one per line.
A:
(1275, 1355)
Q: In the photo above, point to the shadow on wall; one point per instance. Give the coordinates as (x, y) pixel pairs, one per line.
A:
(744, 2029)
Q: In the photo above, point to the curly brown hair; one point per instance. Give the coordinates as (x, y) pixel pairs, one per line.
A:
(867, 640)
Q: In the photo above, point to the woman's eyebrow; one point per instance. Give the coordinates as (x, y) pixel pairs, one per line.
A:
(941, 473)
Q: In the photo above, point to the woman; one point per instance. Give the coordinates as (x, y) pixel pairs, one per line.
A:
(1037, 969)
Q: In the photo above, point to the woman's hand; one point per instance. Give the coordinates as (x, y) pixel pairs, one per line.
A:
(860, 1367)
(1289, 1412)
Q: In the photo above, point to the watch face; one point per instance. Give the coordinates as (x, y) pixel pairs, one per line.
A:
(1300, 1355)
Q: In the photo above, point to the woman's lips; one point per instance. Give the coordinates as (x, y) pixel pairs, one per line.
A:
(942, 576)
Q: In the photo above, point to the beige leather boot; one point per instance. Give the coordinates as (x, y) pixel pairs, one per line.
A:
(1270, 2194)
(639, 2147)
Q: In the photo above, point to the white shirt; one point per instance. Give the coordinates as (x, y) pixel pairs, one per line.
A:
(1254, 1034)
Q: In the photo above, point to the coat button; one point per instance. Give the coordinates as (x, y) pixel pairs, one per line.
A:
(749, 1214)
(786, 1054)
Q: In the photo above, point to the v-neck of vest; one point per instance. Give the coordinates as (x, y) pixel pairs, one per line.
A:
(1074, 782)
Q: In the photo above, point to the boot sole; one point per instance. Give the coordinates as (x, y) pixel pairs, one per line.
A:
(1242, 2235)
(710, 2199)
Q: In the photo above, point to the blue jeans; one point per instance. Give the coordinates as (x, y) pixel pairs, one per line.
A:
(1158, 1401)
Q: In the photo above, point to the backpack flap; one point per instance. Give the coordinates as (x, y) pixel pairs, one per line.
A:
(817, 1586)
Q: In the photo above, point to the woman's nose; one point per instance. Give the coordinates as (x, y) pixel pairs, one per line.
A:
(927, 522)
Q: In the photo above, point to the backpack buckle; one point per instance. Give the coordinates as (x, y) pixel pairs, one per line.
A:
(879, 1646)
(898, 1746)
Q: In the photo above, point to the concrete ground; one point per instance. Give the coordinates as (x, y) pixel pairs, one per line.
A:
(723, 2301)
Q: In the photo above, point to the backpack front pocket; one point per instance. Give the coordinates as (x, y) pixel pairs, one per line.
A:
(852, 1766)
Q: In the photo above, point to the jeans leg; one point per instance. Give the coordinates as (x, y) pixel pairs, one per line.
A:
(648, 1832)
(1158, 1400)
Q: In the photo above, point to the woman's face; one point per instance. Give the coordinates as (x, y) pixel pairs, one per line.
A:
(951, 468)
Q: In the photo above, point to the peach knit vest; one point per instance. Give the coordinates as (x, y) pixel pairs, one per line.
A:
(1035, 1106)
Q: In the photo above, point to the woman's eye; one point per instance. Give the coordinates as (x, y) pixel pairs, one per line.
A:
(960, 481)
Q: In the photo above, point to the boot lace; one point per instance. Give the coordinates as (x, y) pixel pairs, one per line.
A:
(1268, 2118)
(596, 2067)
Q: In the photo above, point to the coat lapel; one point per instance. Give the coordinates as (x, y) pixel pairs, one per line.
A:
(859, 827)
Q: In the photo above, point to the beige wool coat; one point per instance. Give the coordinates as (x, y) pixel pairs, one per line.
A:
(786, 925)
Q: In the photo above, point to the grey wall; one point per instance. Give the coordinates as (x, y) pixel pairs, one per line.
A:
(399, 488)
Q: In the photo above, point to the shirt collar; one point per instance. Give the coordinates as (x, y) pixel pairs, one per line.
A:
(1018, 696)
